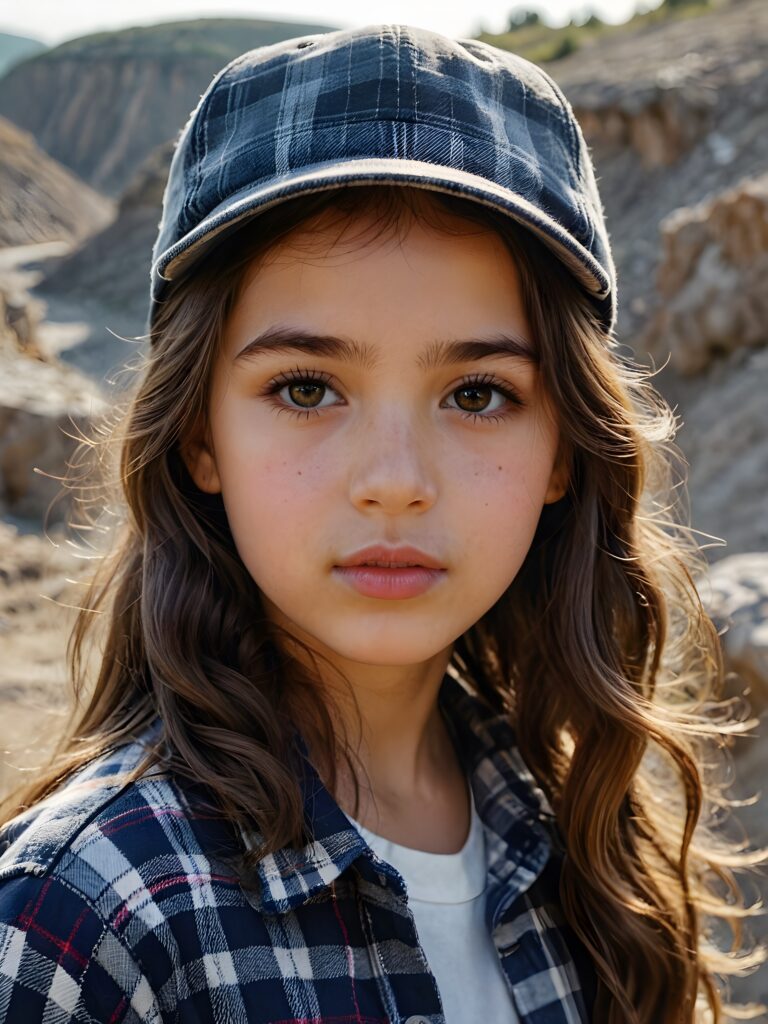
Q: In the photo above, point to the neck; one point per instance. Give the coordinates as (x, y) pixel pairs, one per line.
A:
(401, 747)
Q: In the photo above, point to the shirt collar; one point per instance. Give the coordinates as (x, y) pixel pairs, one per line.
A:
(518, 820)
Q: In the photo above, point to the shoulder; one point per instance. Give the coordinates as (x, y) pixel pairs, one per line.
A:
(31, 842)
(87, 881)
(101, 825)
(91, 821)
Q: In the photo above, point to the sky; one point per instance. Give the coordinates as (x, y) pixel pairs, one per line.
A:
(53, 21)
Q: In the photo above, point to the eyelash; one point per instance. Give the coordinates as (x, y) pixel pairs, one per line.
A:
(316, 377)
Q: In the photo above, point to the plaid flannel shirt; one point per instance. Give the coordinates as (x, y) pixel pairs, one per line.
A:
(115, 905)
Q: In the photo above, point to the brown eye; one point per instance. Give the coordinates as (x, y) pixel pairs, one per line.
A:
(476, 395)
(300, 393)
(474, 398)
(306, 394)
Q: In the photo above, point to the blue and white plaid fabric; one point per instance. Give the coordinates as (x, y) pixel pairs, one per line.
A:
(116, 906)
(392, 104)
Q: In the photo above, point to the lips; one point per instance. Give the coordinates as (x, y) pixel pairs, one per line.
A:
(384, 557)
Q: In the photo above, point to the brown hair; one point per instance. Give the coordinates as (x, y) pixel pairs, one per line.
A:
(599, 651)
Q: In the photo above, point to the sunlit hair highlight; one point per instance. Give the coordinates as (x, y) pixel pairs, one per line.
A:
(600, 651)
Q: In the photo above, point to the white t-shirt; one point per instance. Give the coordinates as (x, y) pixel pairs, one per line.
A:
(446, 897)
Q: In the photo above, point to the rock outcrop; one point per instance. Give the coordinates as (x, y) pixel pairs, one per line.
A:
(736, 597)
(687, 231)
(655, 91)
(103, 284)
(39, 199)
(36, 440)
(43, 407)
(675, 113)
(711, 279)
(724, 437)
(660, 122)
(19, 320)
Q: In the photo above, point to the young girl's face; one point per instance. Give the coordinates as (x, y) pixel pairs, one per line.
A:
(390, 446)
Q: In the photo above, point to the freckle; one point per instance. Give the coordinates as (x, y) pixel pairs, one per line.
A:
(500, 468)
(299, 471)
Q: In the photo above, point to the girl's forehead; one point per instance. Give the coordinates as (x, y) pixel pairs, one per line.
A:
(327, 243)
(421, 293)
(425, 275)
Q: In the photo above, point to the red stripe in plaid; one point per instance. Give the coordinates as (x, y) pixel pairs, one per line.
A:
(119, 1011)
(125, 911)
(28, 922)
(347, 950)
(136, 816)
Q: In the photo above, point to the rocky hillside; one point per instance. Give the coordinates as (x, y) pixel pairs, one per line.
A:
(101, 104)
(103, 283)
(675, 113)
(39, 199)
(677, 118)
(41, 401)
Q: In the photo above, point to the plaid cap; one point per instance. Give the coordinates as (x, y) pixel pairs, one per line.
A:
(391, 104)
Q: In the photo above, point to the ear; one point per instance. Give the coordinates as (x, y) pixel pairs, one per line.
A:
(200, 460)
(560, 476)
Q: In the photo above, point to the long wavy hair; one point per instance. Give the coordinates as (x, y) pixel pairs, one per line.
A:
(600, 651)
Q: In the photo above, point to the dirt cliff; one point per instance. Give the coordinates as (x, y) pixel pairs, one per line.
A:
(103, 283)
(39, 199)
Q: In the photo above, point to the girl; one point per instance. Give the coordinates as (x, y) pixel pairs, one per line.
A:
(405, 688)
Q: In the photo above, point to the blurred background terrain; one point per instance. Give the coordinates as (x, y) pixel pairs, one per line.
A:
(674, 105)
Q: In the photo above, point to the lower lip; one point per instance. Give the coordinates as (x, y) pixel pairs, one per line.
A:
(394, 584)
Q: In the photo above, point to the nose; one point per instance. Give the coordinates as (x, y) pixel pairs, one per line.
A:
(394, 466)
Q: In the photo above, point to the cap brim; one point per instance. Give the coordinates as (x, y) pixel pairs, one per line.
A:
(175, 261)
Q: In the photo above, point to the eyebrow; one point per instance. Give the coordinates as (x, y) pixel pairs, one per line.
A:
(281, 338)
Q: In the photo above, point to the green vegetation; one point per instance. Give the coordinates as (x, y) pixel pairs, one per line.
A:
(568, 44)
(530, 36)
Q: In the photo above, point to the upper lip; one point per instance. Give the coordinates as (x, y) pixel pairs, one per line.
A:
(382, 553)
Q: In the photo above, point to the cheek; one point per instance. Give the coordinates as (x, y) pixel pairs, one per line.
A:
(514, 477)
(274, 505)
(260, 488)
(503, 501)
